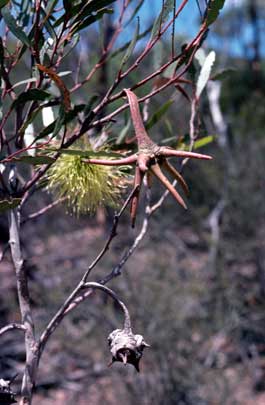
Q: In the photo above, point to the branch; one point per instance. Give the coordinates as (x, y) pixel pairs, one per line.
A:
(73, 300)
(113, 233)
(43, 210)
(25, 308)
(12, 326)
(111, 293)
(117, 269)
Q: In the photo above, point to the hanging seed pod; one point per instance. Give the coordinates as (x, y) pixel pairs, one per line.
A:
(126, 347)
(6, 394)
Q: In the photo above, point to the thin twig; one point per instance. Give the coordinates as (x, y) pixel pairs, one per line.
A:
(117, 269)
(113, 233)
(12, 326)
(43, 210)
(113, 295)
(68, 304)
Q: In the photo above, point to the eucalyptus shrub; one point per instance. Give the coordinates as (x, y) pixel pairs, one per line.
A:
(59, 134)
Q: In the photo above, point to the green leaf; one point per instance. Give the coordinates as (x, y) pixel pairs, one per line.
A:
(205, 73)
(26, 81)
(203, 141)
(91, 7)
(60, 121)
(33, 160)
(69, 116)
(158, 114)
(14, 27)
(213, 10)
(137, 8)
(123, 132)
(50, 6)
(168, 140)
(223, 74)
(74, 42)
(163, 16)
(85, 154)
(79, 13)
(9, 204)
(132, 44)
(31, 95)
(3, 3)
(90, 20)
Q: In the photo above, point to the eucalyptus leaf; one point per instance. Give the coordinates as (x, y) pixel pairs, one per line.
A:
(213, 9)
(31, 95)
(33, 160)
(131, 47)
(9, 204)
(203, 141)
(137, 8)
(16, 30)
(90, 20)
(205, 73)
(163, 16)
(91, 7)
(60, 121)
(26, 81)
(86, 154)
(69, 116)
(223, 74)
(123, 132)
(3, 3)
(80, 13)
(158, 114)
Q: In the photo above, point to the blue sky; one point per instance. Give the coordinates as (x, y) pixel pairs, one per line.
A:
(187, 23)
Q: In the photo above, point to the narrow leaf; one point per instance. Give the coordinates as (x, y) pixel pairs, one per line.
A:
(163, 16)
(26, 81)
(3, 3)
(33, 160)
(82, 153)
(91, 7)
(158, 114)
(90, 20)
(14, 27)
(30, 95)
(123, 132)
(137, 8)
(203, 141)
(132, 44)
(223, 74)
(69, 116)
(79, 13)
(205, 73)
(9, 204)
(213, 10)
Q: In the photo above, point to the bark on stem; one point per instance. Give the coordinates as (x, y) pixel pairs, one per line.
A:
(25, 309)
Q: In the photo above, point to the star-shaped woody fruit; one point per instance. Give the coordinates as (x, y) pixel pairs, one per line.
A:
(150, 159)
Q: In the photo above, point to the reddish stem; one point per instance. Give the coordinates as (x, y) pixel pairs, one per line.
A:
(143, 140)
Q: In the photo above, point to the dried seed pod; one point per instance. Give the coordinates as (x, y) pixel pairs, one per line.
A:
(126, 347)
